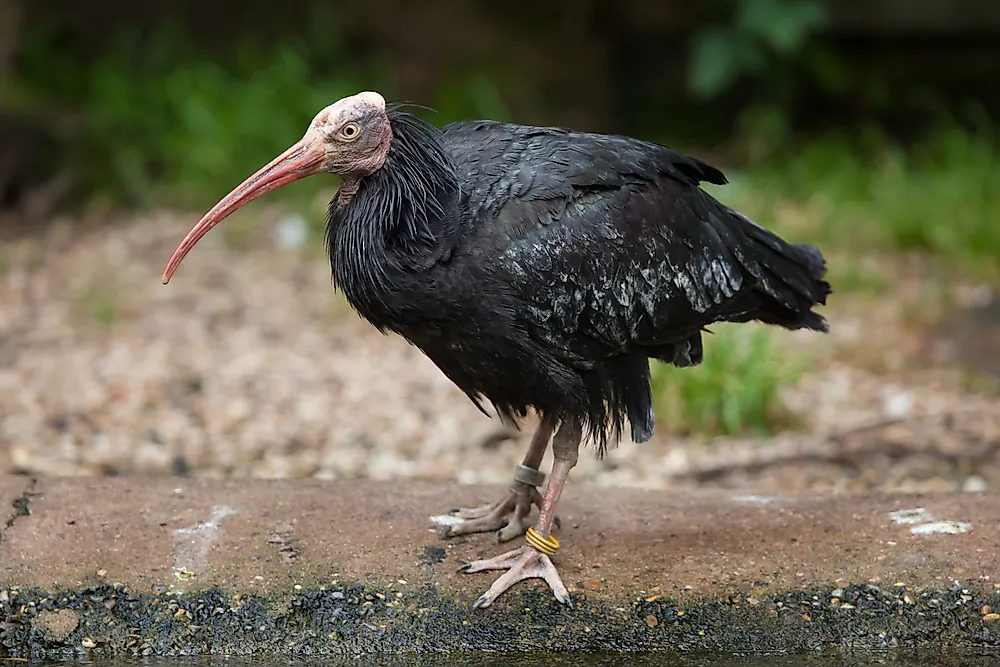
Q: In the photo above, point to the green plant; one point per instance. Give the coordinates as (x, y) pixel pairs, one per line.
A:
(869, 196)
(469, 95)
(735, 390)
(167, 128)
(159, 121)
(758, 36)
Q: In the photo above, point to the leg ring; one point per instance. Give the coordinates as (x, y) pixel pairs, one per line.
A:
(547, 546)
(529, 476)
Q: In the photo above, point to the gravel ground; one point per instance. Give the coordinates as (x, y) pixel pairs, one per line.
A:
(248, 365)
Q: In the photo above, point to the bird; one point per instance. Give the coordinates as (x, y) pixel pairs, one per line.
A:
(540, 269)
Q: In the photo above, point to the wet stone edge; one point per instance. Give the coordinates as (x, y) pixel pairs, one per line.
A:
(355, 620)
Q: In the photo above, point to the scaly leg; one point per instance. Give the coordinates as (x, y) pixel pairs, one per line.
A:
(533, 560)
(509, 515)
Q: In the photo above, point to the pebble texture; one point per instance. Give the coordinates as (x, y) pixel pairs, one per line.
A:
(249, 366)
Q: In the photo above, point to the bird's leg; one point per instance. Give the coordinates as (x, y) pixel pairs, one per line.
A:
(509, 515)
(533, 559)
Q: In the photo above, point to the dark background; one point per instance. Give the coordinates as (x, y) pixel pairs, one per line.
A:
(82, 92)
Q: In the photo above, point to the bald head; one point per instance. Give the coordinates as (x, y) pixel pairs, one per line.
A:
(348, 108)
(350, 137)
(354, 133)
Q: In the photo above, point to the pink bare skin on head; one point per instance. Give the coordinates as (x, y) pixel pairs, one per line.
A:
(350, 137)
(345, 109)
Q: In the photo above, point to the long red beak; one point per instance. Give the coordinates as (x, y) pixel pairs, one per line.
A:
(304, 158)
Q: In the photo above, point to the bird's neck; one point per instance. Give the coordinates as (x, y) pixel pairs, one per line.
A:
(400, 220)
(348, 188)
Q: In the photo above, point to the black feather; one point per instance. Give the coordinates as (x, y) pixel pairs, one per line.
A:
(396, 222)
(541, 268)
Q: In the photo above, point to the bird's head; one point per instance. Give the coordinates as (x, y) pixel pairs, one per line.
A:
(350, 137)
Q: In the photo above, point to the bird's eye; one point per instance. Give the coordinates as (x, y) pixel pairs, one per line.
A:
(350, 131)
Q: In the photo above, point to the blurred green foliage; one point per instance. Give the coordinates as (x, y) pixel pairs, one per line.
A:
(759, 37)
(156, 120)
(868, 195)
(737, 388)
(159, 120)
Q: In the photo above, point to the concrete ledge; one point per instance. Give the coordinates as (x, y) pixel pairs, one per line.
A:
(193, 566)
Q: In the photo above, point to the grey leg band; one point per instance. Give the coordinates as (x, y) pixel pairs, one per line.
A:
(529, 476)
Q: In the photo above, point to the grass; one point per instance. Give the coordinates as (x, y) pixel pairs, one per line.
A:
(939, 198)
(737, 389)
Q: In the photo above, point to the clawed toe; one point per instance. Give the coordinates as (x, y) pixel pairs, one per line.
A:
(516, 527)
(521, 564)
(507, 518)
(474, 512)
(486, 524)
(532, 561)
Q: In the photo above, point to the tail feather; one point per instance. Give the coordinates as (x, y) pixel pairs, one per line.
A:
(815, 259)
(792, 275)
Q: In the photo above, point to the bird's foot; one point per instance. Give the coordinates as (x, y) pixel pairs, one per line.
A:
(508, 516)
(521, 564)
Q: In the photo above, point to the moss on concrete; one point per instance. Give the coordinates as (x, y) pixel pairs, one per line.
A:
(354, 620)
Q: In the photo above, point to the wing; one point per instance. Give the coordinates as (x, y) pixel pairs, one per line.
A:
(611, 245)
(500, 164)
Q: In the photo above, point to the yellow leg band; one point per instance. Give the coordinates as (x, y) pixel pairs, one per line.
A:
(547, 546)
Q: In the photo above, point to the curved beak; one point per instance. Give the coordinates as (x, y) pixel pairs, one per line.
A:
(304, 158)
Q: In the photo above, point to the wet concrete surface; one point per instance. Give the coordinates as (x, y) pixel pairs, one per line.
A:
(167, 566)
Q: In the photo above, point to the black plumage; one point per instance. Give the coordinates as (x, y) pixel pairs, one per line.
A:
(541, 268)
(538, 268)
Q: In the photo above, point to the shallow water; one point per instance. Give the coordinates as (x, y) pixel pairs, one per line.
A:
(826, 659)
